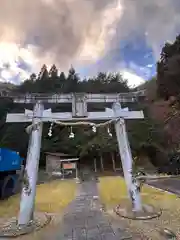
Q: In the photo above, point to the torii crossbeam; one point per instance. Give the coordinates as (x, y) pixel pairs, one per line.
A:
(79, 113)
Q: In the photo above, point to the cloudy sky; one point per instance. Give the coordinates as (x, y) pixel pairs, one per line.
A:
(91, 35)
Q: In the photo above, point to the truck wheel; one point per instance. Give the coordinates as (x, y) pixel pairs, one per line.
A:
(7, 187)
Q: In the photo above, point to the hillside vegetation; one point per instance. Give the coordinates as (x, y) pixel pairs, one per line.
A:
(163, 93)
(156, 136)
(86, 144)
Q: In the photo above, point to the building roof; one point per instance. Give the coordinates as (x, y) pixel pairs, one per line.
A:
(58, 154)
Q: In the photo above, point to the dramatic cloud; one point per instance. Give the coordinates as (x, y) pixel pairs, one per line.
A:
(80, 32)
(133, 80)
(158, 20)
(64, 31)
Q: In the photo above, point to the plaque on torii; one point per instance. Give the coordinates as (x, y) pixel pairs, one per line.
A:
(79, 113)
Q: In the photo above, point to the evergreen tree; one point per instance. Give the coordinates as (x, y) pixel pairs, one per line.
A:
(53, 72)
(72, 81)
(43, 74)
(168, 71)
(86, 143)
(62, 82)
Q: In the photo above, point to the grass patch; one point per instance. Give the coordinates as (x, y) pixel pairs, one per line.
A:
(112, 192)
(51, 197)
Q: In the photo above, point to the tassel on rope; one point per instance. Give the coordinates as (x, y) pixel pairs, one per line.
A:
(71, 135)
(94, 129)
(50, 130)
(109, 132)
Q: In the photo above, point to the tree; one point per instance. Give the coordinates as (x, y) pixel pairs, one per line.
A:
(53, 72)
(147, 137)
(168, 70)
(15, 138)
(86, 143)
(72, 81)
(100, 142)
(43, 74)
(27, 86)
(5, 106)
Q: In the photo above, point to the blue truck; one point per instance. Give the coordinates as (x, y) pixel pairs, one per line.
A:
(10, 168)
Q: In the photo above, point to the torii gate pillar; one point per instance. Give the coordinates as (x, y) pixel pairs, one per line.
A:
(31, 170)
(126, 159)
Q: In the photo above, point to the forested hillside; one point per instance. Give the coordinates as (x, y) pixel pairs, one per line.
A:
(163, 93)
(146, 136)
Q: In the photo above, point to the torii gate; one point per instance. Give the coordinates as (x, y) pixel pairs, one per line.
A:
(79, 112)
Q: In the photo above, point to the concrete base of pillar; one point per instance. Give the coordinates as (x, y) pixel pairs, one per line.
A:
(11, 228)
(148, 212)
